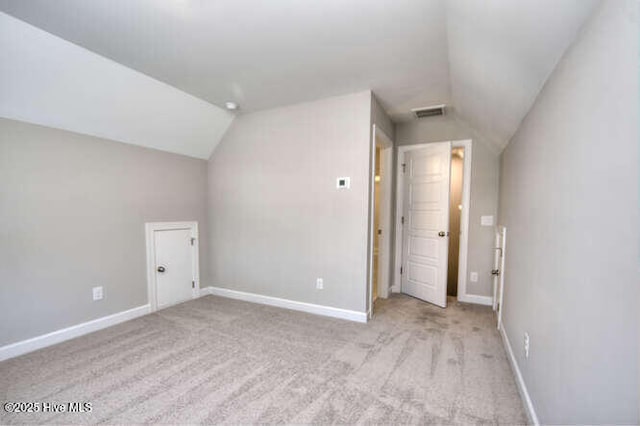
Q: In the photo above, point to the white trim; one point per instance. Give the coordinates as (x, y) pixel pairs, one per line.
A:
(522, 387)
(385, 205)
(205, 291)
(311, 308)
(150, 229)
(371, 212)
(503, 245)
(473, 298)
(464, 221)
(497, 254)
(25, 346)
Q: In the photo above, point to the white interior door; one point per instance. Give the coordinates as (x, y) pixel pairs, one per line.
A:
(426, 222)
(174, 266)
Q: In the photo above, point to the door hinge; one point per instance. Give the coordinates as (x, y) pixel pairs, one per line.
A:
(193, 240)
(193, 284)
(402, 220)
(404, 167)
(401, 270)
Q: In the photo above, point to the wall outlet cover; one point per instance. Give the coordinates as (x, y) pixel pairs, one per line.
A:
(343, 182)
(319, 284)
(473, 277)
(98, 293)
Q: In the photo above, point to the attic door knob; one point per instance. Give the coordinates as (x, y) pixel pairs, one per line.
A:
(161, 269)
(441, 234)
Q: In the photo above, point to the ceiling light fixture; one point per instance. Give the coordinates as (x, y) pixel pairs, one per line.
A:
(231, 106)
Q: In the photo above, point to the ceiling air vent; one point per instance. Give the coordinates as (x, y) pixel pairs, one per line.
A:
(430, 111)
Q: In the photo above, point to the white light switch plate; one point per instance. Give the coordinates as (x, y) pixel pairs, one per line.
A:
(486, 220)
(473, 277)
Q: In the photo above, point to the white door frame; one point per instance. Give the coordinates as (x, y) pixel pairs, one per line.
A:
(502, 232)
(150, 229)
(384, 253)
(464, 217)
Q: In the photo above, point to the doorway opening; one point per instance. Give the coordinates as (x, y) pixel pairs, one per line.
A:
(455, 214)
(376, 223)
(380, 219)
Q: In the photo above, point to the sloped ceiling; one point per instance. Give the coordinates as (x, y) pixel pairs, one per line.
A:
(501, 53)
(49, 81)
(486, 59)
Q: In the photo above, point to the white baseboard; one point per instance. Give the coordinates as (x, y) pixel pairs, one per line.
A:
(311, 308)
(19, 348)
(522, 387)
(472, 298)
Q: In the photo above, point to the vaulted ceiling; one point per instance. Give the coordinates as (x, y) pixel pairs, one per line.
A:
(486, 59)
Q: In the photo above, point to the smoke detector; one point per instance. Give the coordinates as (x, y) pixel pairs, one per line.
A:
(430, 111)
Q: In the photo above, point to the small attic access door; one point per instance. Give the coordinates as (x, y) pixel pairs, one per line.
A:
(172, 263)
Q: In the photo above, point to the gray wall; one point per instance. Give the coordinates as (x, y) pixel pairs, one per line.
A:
(485, 171)
(569, 200)
(380, 118)
(433, 129)
(277, 220)
(72, 214)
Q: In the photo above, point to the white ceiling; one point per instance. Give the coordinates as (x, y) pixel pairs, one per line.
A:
(488, 59)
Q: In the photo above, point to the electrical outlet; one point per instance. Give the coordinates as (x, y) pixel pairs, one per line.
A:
(527, 342)
(319, 284)
(343, 182)
(473, 277)
(97, 293)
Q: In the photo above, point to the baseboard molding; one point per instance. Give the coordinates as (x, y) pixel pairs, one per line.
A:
(479, 300)
(25, 346)
(310, 308)
(522, 387)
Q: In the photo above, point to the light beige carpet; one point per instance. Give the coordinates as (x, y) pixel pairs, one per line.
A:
(215, 360)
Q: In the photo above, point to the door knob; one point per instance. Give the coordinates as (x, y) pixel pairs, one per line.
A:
(161, 269)
(441, 234)
(495, 272)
